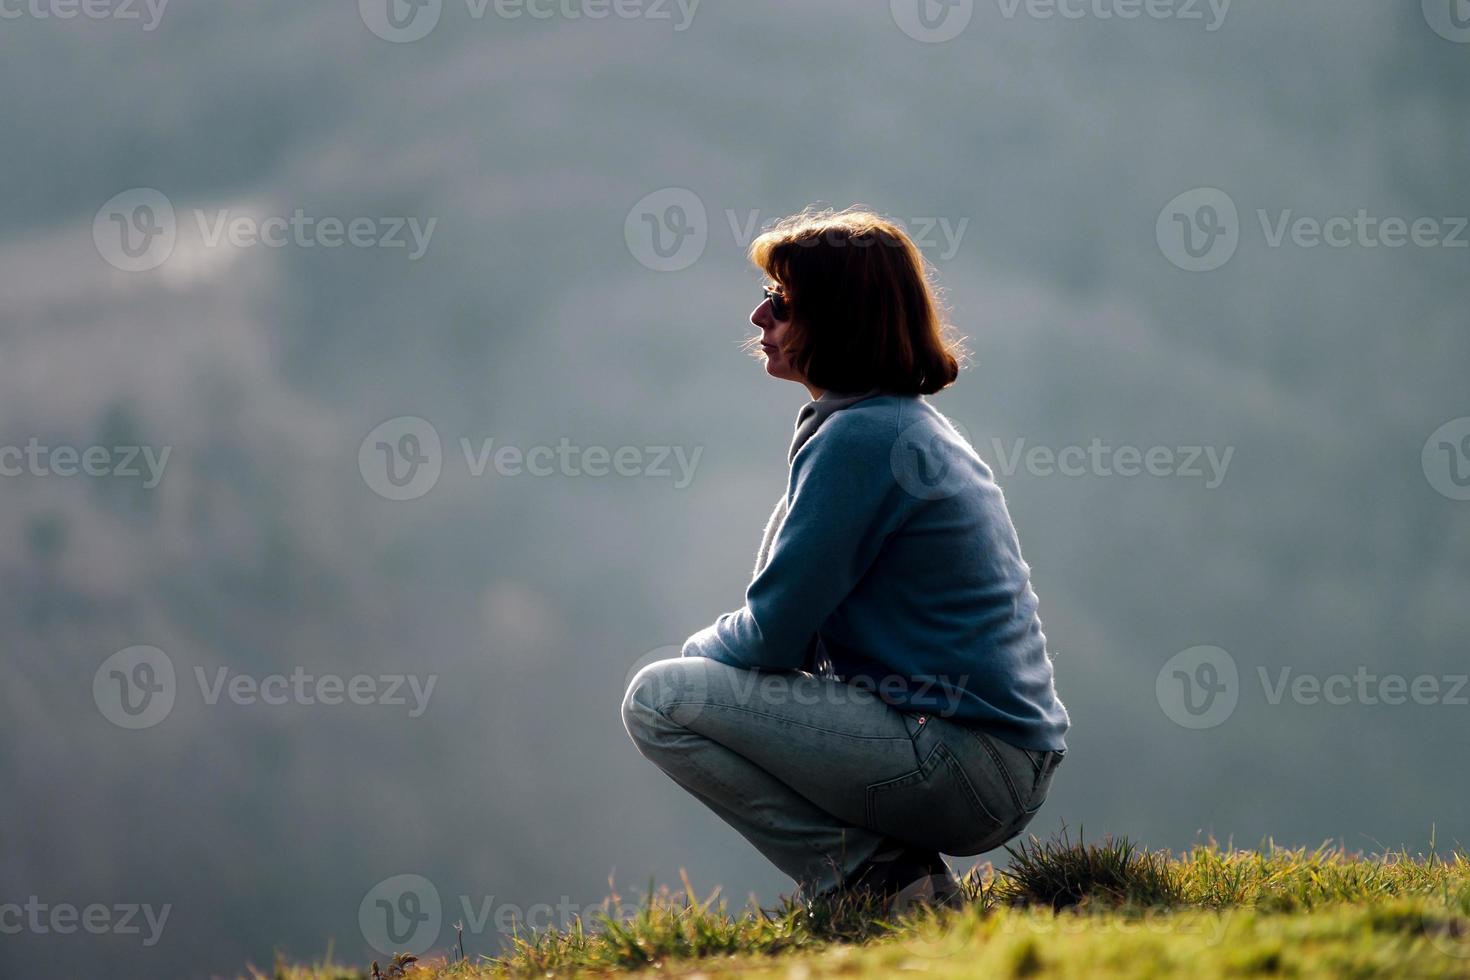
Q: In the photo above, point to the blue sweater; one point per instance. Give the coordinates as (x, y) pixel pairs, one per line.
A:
(891, 561)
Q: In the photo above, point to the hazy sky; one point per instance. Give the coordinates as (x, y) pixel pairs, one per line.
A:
(245, 247)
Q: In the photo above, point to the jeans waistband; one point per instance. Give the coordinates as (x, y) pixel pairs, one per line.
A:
(1047, 759)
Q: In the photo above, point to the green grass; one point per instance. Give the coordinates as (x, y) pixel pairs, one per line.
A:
(1062, 909)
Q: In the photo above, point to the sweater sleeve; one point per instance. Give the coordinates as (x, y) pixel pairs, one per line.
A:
(842, 503)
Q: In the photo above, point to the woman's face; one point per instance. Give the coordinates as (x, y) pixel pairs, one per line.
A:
(773, 333)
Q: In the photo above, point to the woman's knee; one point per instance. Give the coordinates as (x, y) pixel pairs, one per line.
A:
(659, 689)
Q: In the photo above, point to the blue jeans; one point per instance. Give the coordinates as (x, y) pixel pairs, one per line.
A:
(821, 775)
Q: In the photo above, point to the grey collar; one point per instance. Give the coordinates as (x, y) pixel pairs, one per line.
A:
(814, 413)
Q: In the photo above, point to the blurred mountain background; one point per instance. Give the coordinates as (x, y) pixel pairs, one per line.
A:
(534, 317)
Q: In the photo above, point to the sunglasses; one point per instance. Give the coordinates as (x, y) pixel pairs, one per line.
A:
(780, 309)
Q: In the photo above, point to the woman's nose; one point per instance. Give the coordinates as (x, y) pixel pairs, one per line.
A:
(762, 316)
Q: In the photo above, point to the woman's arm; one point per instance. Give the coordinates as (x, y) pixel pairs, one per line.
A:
(842, 503)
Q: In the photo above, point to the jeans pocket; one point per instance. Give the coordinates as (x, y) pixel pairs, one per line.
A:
(937, 806)
(1044, 766)
(1042, 787)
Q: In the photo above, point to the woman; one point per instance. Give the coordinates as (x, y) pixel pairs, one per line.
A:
(885, 693)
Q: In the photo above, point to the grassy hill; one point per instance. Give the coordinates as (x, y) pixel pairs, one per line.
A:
(1062, 909)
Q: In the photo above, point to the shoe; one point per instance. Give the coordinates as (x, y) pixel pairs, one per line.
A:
(937, 891)
(902, 879)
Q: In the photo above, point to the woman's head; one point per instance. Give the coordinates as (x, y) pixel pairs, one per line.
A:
(861, 313)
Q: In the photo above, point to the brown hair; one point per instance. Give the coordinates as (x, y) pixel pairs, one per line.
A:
(864, 314)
